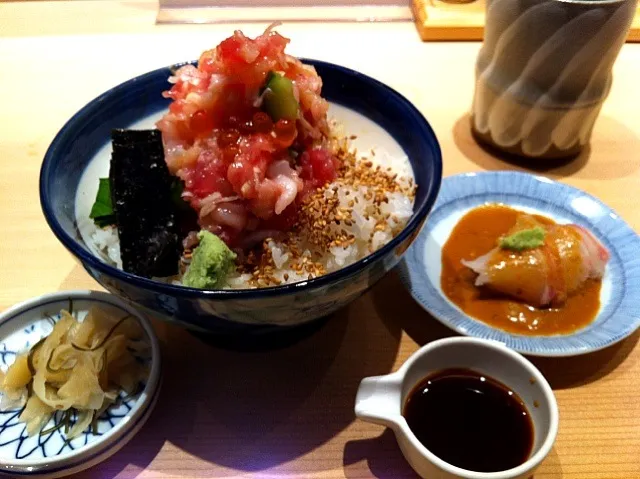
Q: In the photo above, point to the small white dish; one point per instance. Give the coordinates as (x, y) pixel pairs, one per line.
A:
(381, 399)
(50, 455)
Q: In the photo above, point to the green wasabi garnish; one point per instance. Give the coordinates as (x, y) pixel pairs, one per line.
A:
(211, 262)
(523, 240)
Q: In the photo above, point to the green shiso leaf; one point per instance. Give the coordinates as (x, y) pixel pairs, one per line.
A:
(177, 187)
(102, 210)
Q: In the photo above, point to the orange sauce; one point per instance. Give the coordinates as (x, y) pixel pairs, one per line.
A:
(476, 234)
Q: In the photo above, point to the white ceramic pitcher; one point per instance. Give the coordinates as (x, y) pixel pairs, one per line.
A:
(381, 399)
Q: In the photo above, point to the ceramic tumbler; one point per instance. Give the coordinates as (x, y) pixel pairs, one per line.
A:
(544, 71)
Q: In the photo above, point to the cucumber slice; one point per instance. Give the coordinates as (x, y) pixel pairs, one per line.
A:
(279, 101)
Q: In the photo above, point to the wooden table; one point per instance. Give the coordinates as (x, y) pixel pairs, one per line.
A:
(289, 413)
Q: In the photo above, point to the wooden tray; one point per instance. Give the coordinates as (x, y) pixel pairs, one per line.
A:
(438, 20)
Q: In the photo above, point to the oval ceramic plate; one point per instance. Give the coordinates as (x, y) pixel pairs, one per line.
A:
(50, 454)
(619, 314)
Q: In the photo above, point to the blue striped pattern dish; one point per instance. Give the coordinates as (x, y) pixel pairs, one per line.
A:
(50, 453)
(619, 314)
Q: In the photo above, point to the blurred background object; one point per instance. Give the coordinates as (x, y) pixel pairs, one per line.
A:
(227, 11)
(544, 71)
(464, 20)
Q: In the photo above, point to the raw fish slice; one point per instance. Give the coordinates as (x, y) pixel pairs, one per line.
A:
(546, 275)
(146, 216)
(593, 251)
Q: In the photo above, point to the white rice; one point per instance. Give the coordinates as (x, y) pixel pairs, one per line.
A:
(107, 243)
(399, 209)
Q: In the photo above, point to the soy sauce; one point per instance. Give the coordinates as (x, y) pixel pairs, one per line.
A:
(470, 420)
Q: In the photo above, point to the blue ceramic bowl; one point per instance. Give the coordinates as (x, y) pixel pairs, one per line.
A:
(243, 312)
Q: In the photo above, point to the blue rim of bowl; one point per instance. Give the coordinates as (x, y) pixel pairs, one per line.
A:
(99, 447)
(86, 257)
(582, 341)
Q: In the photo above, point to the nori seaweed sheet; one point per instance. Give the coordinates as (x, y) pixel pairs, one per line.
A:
(141, 195)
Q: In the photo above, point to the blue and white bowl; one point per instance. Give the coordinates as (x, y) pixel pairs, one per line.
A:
(51, 455)
(619, 314)
(375, 106)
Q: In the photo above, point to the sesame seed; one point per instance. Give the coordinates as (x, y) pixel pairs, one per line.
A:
(324, 216)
